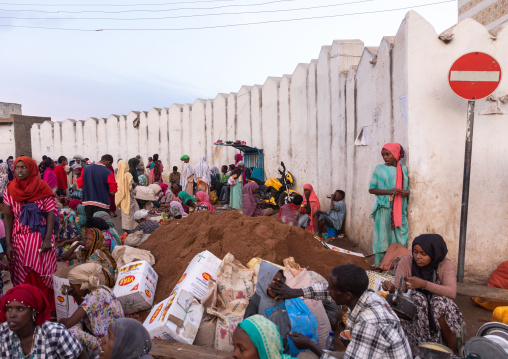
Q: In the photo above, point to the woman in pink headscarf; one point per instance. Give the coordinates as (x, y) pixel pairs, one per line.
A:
(204, 199)
(390, 184)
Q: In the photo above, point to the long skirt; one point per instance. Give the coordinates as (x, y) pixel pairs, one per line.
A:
(384, 235)
(418, 331)
(128, 222)
(90, 343)
(189, 188)
(236, 195)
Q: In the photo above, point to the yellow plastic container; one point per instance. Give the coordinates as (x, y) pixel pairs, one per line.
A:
(500, 315)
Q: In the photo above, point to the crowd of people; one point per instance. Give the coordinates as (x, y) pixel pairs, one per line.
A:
(64, 212)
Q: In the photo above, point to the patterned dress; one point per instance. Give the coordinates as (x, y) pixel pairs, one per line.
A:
(26, 245)
(101, 308)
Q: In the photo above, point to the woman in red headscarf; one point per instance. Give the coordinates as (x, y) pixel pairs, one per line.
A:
(26, 331)
(390, 184)
(311, 205)
(30, 210)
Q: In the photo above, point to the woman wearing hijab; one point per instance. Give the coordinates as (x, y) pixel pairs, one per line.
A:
(124, 197)
(311, 205)
(80, 220)
(30, 210)
(49, 175)
(204, 200)
(111, 228)
(202, 173)
(98, 307)
(103, 226)
(432, 279)
(10, 170)
(236, 190)
(187, 177)
(390, 184)
(126, 339)
(4, 179)
(176, 210)
(257, 337)
(133, 163)
(214, 178)
(250, 202)
(95, 250)
(26, 331)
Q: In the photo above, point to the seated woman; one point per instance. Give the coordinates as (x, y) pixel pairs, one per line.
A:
(263, 302)
(291, 212)
(431, 277)
(251, 206)
(109, 233)
(144, 224)
(126, 338)
(98, 307)
(26, 331)
(176, 210)
(204, 199)
(152, 193)
(101, 225)
(67, 233)
(257, 337)
(94, 250)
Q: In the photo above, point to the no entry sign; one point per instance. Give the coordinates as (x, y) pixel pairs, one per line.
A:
(474, 76)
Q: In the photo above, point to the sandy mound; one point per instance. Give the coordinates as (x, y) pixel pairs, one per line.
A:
(175, 244)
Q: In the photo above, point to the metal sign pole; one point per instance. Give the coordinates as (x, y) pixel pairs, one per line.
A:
(465, 190)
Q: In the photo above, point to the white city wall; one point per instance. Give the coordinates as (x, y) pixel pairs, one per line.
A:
(328, 122)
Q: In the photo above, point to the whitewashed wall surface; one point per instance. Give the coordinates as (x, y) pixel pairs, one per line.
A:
(328, 121)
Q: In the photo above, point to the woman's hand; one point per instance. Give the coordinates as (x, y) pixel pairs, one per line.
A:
(405, 193)
(388, 286)
(46, 246)
(416, 283)
(9, 251)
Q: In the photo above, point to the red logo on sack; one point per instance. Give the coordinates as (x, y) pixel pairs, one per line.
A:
(241, 296)
(223, 333)
(157, 311)
(181, 279)
(148, 294)
(135, 287)
(60, 299)
(206, 276)
(127, 280)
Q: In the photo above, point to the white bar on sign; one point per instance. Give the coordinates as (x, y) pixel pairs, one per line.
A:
(492, 76)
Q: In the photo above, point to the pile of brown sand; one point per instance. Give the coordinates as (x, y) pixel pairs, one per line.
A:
(176, 243)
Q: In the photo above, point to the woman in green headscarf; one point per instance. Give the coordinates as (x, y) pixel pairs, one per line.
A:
(133, 163)
(257, 337)
(80, 219)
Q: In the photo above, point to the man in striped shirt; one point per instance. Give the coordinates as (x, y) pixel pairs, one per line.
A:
(374, 327)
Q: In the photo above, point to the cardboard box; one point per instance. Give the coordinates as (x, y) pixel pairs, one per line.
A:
(135, 286)
(176, 318)
(195, 279)
(65, 304)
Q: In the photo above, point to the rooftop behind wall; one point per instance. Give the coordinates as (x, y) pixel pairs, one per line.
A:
(328, 121)
(8, 109)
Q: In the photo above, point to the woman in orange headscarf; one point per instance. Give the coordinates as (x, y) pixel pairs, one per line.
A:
(390, 184)
(311, 204)
(30, 211)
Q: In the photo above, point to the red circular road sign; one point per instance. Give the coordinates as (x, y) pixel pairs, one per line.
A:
(474, 76)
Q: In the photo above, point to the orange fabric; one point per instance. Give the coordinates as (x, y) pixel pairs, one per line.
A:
(395, 250)
(31, 188)
(499, 278)
(395, 150)
(314, 206)
(61, 176)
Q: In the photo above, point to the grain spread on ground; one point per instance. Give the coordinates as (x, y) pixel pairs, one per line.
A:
(175, 244)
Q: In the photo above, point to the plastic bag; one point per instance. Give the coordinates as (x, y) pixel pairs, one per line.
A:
(231, 181)
(302, 321)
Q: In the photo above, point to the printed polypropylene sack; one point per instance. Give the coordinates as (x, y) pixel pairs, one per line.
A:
(234, 280)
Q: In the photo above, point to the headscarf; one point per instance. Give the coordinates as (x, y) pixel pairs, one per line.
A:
(73, 204)
(4, 177)
(215, 170)
(31, 188)
(186, 173)
(30, 296)
(238, 158)
(265, 336)
(133, 163)
(123, 194)
(184, 157)
(107, 218)
(203, 198)
(98, 243)
(155, 158)
(179, 206)
(140, 214)
(184, 196)
(50, 178)
(89, 276)
(10, 171)
(435, 247)
(202, 171)
(132, 340)
(143, 180)
(398, 153)
(314, 206)
(250, 200)
(80, 219)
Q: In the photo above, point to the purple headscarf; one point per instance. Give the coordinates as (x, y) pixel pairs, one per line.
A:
(250, 201)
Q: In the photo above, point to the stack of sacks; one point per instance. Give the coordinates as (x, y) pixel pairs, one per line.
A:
(178, 317)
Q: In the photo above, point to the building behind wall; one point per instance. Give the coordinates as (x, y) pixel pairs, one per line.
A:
(489, 13)
(15, 131)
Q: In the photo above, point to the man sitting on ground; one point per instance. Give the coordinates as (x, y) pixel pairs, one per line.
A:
(334, 218)
(375, 329)
(144, 224)
(174, 177)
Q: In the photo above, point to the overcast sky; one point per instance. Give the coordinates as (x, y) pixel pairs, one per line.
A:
(80, 74)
